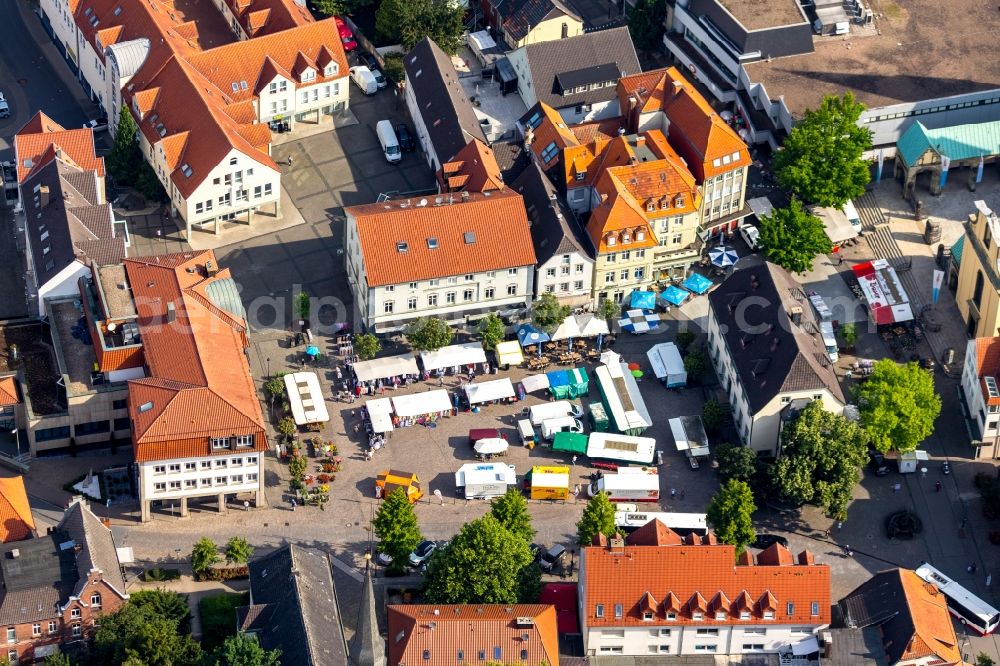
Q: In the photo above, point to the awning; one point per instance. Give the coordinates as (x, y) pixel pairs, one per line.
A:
(567, 329)
(490, 446)
(697, 283)
(644, 300)
(509, 353)
(533, 383)
(761, 207)
(570, 442)
(674, 295)
(380, 414)
(305, 397)
(838, 228)
(418, 404)
(453, 355)
(806, 646)
(689, 435)
(639, 321)
(883, 291)
(566, 384)
(497, 389)
(591, 326)
(383, 368)
(529, 335)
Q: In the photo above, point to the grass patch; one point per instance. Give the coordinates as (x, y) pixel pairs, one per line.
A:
(157, 575)
(218, 617)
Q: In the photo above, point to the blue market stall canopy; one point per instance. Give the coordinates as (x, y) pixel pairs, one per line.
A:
(529, 335)
(697, 283)
(674, 295)
(638, 322)
(643, 300)
(565, 384)
(723, 256)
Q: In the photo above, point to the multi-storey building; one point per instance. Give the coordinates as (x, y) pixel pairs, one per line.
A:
(981, 395)
(659, 594)
(521, 22)
(977, 292)
(766, 348)
(57, 587)
(455, 257)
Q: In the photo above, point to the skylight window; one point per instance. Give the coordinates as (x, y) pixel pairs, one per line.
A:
(432, 243)
(145, 407)
(186, 169)
(402, 246)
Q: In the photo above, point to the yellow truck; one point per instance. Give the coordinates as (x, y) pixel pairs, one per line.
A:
(547, 483)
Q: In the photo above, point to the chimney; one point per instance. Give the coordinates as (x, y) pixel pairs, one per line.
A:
(16, 553)
(43, 195)
(171, 313)
(640, 140)
(529, 136)
(617, 544)
(796, 315)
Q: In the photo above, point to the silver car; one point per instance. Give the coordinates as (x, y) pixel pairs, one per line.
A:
(4, 107)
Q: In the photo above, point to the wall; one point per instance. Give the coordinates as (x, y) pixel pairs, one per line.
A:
(581, 269)
(86, 408)
(977, 259)
(723, 194)
(687, 639)
(525, 86)
(63, 283)
(548, 31)
(580, 113)
(419, 128)
(149, 477)
(618, 287)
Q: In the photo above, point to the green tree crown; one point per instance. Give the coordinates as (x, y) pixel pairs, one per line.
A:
(491, 330)
(396, 528)
(598, 518)
(547, 312)
(428, 334)
(204, 555)
(730, 514)
(792, 237)
(238, 550)
(511, 511)
(898, 405)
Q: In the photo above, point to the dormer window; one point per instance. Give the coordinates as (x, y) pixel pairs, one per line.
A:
(640, 236)
(331, 69)
(650, 206)
(720, 615)
(581, 175)
(309, 75)
(679, 201)
(744, 615)
(626, 238)
(768, 615)
(697, 616)
(665, 203)
(647, 616)
(671, 615)
(610, 240)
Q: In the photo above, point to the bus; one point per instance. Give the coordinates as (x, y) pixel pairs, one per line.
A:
(970, 610)
(682, 523)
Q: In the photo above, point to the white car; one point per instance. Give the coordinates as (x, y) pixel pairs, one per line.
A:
(379, 78)
(4, 107)
(751, 236)
(99, 125)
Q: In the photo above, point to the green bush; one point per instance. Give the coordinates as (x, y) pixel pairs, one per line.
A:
(218, 618)
(224, 573)
(157, 575)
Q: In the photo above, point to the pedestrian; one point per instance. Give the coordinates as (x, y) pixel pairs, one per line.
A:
(574, 461)
(441, 380)
(827, 533)
(357, 427)
(354, 413)
(293, 504)
(937, 486)
(673, 493)
(289, 160)
(246, 505)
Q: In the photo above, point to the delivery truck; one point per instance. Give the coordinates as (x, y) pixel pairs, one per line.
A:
(552, 410)
(547, 483)
(629, 484)
(550, 427)
(484, 480)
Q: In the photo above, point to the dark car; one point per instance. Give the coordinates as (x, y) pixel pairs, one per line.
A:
(766, 540)
(552, 558)
(877, 461)
(405, 138)
(367, 59)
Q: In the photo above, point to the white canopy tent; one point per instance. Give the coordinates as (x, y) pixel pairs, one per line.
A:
(453, 355)
(569, 328)
(581, 326)
(689, 435)
(305, 397)
(383, 368)
(509, 353)
(380, 414)
(418, 404)
(667, 364)
(533, 383)
(497, 389)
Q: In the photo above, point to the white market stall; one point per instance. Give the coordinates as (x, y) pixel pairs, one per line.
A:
(509, 353)
(667, 364)
(624, 404)
(621, 448)
(690, 436)
(380, 414)
(836, 224)
(498, 389)
(887, 300)
(533, 383)
(305, 397)
(491, 446)
(453, 356)
(424, 407)
(384, 368)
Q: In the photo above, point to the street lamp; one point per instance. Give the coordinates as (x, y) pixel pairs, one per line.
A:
(268, 367)
(17, 438)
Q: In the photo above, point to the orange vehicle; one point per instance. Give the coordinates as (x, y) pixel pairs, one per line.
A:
(391, 479)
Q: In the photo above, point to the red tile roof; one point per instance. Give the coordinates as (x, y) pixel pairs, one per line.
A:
(498, 223)
(8, 392)
(682, 577)
(933, 630)
(199, 382)
(434, 634)
(563, 597)
(473, 169)
(260, 16)
(988, 365)
(16, 522)
(37, 143)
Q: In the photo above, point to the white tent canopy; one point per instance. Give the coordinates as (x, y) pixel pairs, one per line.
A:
(453, 355)
(838, 227)
(533, 383)
(689, 435)
(380, 414)
(667, 364)
(581, 326)
(383, 368)
(491, 445)
(497, 389)
(569, 328)
(418, 404)
(509, 353)
(305, 397)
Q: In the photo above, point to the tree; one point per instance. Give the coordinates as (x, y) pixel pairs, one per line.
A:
(607, 309)
(238, 550)
(137, 635)
(820, 160)
(598, 518)
(483, 564)
(366, 346)
(730, 514)
(303, 305)
(898, 405)
(124, 158)
(645, 24)
(547, 312)
(736, 462)
(409, 21)
(491, 330)
(694, 364)
(165, 604)
(393, 69)
(983, 659)
(713, 415)
(57, 659)
(821, 458)
(204, 555)
(244, 650)
(396, 528)
(850, 334)
(286, 426)
(275, 386)
(792, 237)
(511, 511)
(428, 334)
(329, 7)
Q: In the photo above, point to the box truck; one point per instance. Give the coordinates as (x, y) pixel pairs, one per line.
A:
(629, 484)
(562, 424)
(547, 483)
(553, 410)
(484, 480)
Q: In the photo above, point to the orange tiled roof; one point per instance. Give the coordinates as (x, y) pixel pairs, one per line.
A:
(498, 221)
(599, 129)
(199, 382)
(16, 522)
(275, 15)
(8, 392)
(36, 143)
(934, 632)
(443, 630)
(684, 577)
(473, 169)
(550, 128)
(988, 365)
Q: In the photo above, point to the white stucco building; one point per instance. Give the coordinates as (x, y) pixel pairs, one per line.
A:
(981, 395)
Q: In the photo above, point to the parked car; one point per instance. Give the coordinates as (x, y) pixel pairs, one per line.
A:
(346, 36)
(751, 236)
(405, 138)
(552, 558)
(367, 59)
(877, 461)
(422, 553)
(4, 107)
(383, 559)
(98, 125)
(364, 79)
(576, 410)
(766, 540)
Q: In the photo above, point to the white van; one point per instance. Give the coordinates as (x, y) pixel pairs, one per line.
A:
(363, 77)
(553, 410)
(483, 481)
(750, 235)
(390, 144)
(562, 424)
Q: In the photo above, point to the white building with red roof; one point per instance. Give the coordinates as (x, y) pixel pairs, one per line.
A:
(657, 593)
(981, 396)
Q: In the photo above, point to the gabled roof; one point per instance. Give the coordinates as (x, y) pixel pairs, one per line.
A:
(404, 241)
(654, 533)
(446, 111)
(97, 548)
(8, 391)
(912, 615)
(16, 522)
(521, 16)
(473, 169)
(258, 17)
(442, 631)
(554, 230)
(546, 127)
(367, 647)
(988, 365)
(42, 140)
(294, 607)
(957, 142)
(770, 354)
(608, 53)
(199, 382)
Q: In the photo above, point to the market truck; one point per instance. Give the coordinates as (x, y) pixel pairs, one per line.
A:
(549, 410)
(547, 483)
(629, 484)
(484, 480)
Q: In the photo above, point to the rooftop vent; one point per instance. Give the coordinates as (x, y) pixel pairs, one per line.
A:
(524, 622)
(402, 246)
(469, 237)
(796, 314)
(16, 553)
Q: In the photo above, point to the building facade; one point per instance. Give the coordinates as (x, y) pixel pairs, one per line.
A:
(980, 395)
(978, 291)
(455, 258)
(522, 22)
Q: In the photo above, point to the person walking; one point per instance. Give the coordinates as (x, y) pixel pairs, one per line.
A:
(937, 486)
